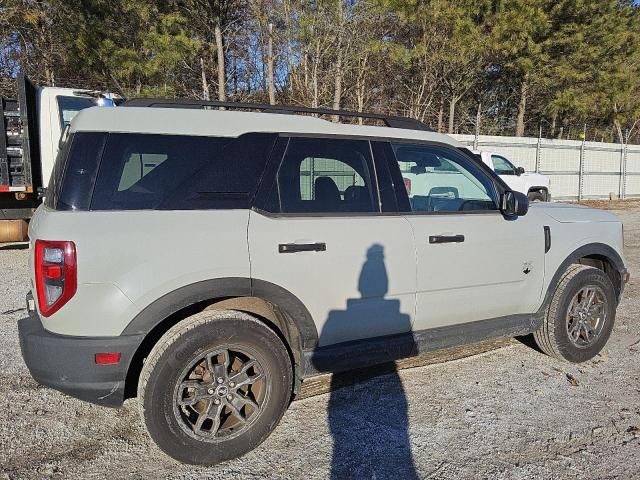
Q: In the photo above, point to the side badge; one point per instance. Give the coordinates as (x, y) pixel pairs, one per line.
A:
(526, 268)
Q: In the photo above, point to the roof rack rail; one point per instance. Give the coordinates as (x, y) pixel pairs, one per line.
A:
(389, 121)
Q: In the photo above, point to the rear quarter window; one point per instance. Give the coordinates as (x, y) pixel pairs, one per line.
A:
(176, 172)
(74, 172)
(55, 180)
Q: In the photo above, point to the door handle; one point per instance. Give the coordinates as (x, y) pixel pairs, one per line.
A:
(446, 238)
(302, 247)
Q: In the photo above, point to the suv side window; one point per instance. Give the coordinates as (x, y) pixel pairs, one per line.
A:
(173, 172)
(320, 175)
(502, 166)
(439, 179)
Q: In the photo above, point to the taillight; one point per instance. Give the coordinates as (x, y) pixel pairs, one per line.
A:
(56, 274)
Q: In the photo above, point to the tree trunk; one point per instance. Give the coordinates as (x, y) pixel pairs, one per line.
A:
(361, 85)
(522, 105)
(205, 85)
(554, 119)
(452, 112)
(337, 86)
(315, 101)
(440, 115)
(272, 85)
(49, 75)
(618, 128)
(305, 69)
(287, 12)
(222, 94)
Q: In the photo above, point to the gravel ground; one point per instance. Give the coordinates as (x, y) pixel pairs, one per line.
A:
(510, 413)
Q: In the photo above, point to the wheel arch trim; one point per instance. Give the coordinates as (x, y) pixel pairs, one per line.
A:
(589, 249)
(169, 304)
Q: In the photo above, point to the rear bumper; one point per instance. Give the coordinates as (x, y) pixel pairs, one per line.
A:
(68, 364)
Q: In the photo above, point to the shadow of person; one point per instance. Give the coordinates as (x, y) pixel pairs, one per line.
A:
(369, 421)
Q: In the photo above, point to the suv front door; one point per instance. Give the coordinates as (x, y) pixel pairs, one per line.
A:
(473, 264)
(317, 231)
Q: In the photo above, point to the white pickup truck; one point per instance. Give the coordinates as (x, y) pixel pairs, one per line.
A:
(30, 129)
(534, 185)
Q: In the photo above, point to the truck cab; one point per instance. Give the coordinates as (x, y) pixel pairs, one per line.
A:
(534, 185)
(30, 131)
(56, 108)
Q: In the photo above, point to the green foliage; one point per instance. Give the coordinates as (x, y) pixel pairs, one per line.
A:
(516, 64)
(519, 32)
(133, 42)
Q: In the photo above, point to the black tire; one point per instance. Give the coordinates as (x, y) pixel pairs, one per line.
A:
(162, 395)
(553, 336)
(536, 196)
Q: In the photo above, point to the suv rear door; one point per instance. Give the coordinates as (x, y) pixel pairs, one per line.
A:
(318, 231)
(473, 264)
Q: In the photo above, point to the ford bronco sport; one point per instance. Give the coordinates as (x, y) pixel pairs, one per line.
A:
(209, 261)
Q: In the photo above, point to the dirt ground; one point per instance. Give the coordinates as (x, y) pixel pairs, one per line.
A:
(512, 413)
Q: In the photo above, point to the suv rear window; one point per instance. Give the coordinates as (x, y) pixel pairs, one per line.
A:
(175, 172)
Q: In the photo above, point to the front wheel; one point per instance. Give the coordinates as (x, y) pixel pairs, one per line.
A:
(580, 317)
(214, 387)
(536, 196)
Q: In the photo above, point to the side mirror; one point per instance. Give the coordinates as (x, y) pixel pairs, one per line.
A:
(514, 204)
(519, 171)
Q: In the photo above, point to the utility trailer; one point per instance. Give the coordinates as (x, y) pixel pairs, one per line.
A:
(30, 130)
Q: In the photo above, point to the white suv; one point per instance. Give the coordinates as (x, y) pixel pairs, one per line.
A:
(209, 261)
(534, 185)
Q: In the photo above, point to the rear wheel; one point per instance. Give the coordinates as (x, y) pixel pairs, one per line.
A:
(580, 317)
(214, 387)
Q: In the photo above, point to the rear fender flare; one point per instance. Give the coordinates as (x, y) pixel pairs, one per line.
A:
(295, 313)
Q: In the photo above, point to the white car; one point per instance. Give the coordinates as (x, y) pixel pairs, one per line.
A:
(534, 185)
